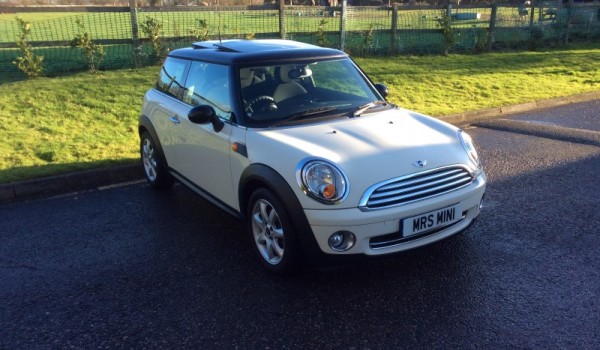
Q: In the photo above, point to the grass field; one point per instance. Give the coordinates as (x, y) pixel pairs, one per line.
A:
(82, 121)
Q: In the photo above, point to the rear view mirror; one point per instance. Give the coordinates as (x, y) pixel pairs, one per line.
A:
(382, 89)
(299, 73)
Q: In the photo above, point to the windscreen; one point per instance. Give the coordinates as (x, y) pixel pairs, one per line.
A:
(275, 92)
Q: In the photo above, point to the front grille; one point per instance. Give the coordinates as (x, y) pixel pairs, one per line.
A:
(416, 187)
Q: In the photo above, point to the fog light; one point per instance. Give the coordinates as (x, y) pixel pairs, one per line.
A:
(341, 241)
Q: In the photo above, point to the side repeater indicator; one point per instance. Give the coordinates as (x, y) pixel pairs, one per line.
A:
(239, 148)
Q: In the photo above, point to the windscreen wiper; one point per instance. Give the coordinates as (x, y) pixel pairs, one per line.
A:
(304, 114)
(361, 109)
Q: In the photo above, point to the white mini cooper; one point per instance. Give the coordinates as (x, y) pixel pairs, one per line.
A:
(296, 140)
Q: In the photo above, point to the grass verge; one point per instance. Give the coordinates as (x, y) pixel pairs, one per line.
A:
(83, 121)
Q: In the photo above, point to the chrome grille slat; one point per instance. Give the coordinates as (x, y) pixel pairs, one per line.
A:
(378, 194)
(423, 193)
(418, 180)
(416, 187)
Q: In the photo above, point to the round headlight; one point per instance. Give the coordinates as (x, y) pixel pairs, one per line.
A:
(323, 181)
(469, 147)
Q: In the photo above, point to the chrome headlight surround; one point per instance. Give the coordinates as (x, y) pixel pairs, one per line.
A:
(322, 181)
(469, 146)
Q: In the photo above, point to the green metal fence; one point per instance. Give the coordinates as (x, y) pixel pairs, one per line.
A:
(356, 29)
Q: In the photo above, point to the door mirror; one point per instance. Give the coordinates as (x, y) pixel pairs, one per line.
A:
(205, 114)
(382, 89)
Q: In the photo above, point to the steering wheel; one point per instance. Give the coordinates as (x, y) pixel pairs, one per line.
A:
(268, 104)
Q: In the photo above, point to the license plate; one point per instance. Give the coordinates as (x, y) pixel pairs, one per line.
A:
(431, 220)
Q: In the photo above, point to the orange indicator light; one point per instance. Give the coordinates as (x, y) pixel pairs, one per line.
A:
(329, 191)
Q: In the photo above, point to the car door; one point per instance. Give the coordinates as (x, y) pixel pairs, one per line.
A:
(202, 155)
(166, 106)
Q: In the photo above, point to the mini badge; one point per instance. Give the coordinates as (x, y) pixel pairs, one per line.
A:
(420, 163)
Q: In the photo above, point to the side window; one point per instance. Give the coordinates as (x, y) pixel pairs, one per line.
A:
(171, 77)
(208, 83)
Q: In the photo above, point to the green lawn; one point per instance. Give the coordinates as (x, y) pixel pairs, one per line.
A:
(53, 125)
(442, 86)
(82, 121)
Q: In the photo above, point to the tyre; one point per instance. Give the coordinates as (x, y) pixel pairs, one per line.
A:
(273, 236)
(155, 168)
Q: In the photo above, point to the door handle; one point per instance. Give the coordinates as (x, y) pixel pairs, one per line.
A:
(174, 120)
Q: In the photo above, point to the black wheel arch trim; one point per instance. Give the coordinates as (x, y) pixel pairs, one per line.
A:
(146, 124)
(260, 175)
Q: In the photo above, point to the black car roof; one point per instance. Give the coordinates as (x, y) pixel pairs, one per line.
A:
(240, 52)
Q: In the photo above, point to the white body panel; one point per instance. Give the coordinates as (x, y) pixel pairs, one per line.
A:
(194, 151)
(369, 149)
(202, 156)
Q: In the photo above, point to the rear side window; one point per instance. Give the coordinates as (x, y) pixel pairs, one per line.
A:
(172, 76)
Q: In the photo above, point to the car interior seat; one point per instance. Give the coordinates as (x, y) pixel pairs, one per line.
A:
(247, 77)
(288, 87)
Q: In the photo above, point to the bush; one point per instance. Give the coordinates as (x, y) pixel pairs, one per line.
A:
(29, 63)
(481, 39)
(536, 39)
(448, 32)
(201, 32)
(151, 28)
(321, 35)
(368, 41)
(94, 53)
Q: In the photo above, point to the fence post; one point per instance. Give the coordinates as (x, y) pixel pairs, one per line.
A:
(343, 25)
(394, 36)
(135, 34)
(282, 34)
(531, 16)
(492, 29)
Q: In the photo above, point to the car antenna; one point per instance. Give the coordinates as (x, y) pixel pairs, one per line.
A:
(219, 26)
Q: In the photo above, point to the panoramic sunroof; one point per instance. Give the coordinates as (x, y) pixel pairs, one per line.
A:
(250, 45)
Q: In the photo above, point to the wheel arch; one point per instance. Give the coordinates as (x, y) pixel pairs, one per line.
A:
(145, 125)
(262, 176)
(259, 175)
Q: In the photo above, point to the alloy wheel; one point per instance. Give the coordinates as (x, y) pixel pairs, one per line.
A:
(268, 232)
(149, 160)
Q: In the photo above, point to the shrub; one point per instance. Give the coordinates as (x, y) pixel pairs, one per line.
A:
(368, 40)
(151, 28)
(481, 39)
(28, 62)
(94, 53)
(536, 39)
(321, 35)
(201, 32)
(448, 32)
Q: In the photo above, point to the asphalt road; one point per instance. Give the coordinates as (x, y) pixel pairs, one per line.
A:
(125, 267)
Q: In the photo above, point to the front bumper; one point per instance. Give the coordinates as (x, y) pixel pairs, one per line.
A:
(378, 232)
